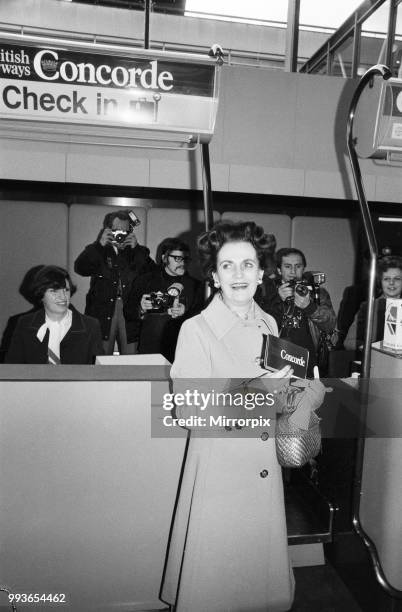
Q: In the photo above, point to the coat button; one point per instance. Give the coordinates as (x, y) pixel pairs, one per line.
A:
(264, 436)
(264, 473)
(228, 428)
(109, 318)
(111, 299)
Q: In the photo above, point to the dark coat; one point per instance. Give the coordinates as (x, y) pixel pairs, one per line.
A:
(378, 321)
(109, 270)
(80, 345)
(157, 332)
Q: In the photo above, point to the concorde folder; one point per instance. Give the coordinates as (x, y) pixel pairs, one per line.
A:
(277, 353)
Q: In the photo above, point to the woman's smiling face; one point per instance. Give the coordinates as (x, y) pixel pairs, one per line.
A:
(237, 273)
(391, 282)
(57, 301)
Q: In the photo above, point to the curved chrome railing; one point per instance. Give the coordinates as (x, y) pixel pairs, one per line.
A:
(383, 71)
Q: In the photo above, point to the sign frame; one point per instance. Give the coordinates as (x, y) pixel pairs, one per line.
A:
(144, 80)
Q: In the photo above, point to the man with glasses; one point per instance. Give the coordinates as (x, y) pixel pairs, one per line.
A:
(161, 300)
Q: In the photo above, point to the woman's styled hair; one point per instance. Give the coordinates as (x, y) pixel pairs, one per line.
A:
(49, 277)
(210, 243)
(385, 263)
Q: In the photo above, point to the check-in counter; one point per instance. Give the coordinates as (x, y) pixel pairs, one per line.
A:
(381, 498)
(87, 493)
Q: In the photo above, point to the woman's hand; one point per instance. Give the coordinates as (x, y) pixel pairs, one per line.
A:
(311, 396)
(285, 372)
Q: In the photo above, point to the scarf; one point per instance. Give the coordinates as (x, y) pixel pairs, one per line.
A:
(56, 331)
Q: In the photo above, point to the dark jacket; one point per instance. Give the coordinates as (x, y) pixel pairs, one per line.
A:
(378, 321)
(314, 322)
(157, 331)
(110, 273)
(320, 317)
(80, 345)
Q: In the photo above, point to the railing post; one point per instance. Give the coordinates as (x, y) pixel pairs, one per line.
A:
(292, 36)
(206, 185)
(146, 23)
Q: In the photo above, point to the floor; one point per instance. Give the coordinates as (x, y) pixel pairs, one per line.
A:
(319, 589)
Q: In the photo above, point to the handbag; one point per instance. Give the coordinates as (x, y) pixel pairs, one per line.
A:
(295, 446)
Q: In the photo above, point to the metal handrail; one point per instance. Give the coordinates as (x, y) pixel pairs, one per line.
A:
(385, 72)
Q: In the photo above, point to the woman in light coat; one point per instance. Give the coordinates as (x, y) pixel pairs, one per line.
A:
(228, 549)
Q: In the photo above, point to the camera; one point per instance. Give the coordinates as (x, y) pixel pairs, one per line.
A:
(161, 300)
(309, 284)
(301, 287)
(119, 236)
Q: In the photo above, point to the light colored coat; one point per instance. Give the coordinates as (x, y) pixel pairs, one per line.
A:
(228, 551)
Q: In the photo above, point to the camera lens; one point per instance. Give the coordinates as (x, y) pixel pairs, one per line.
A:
(301, 290)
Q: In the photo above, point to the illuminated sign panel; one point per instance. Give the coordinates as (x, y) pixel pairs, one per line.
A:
(147, 90)
(388, 129)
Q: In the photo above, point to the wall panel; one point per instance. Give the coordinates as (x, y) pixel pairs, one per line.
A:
(26, 160)
(329, 246)
(34, 233)
(108, 166)
(87, 500)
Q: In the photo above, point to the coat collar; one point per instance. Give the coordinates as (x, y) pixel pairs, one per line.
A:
(77, 324)
(221, 320)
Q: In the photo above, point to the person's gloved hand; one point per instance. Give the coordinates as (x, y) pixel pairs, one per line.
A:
(308, 399)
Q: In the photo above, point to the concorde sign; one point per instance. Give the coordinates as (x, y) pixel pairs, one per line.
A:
(147, 90)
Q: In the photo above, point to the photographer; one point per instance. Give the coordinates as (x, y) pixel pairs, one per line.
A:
(161, 300)
(302, 308)
(113, 262)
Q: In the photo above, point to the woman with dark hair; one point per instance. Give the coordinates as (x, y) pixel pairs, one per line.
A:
(56, 333)
(228, 549)
(389, 280)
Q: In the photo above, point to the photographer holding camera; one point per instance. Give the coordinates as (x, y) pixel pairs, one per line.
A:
(302, 307)
(161, 300)
(113, 262)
